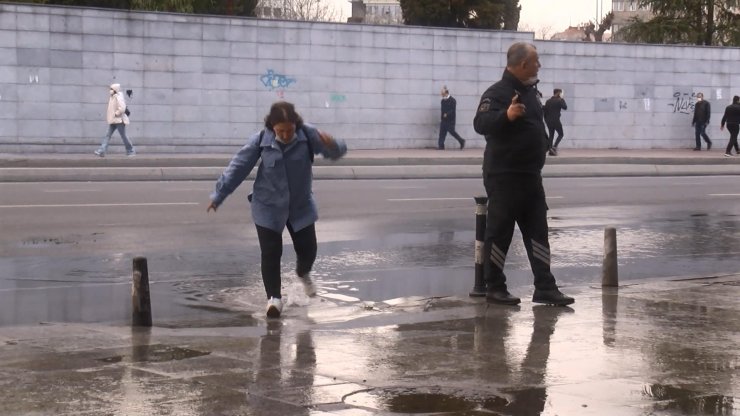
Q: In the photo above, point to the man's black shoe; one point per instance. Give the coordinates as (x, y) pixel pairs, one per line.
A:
(502, 297)
(709, 145)
(697, 148)
(462, 144)
(551, 297)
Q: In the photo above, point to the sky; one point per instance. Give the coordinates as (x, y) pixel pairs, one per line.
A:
(537, 14)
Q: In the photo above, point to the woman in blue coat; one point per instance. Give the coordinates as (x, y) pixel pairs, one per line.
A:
(282, 195)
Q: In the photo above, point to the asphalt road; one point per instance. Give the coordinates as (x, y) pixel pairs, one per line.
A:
(69, 246)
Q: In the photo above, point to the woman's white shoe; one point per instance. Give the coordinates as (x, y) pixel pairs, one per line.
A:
(274, 307)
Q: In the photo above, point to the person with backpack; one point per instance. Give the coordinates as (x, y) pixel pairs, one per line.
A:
(281, 196)
(117, 117)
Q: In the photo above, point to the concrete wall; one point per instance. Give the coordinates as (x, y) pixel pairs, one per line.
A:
(202, 84)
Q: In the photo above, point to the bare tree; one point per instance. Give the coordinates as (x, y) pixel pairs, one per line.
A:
(308, 10)
(542, 32)
(592, 34)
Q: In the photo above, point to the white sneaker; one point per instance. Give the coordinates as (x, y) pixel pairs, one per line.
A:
(308, 287)
(274, 307)
(728, 155)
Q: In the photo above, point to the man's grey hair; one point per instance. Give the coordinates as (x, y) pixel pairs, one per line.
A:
(518, 53)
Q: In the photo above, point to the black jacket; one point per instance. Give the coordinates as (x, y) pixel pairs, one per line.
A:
(511, 147)
(449, 106)
(732, 115)
(702, 112)
(552, 108)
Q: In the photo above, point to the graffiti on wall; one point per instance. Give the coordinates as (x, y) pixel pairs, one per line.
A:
(335, 99)
(683, 102)
(274, 81)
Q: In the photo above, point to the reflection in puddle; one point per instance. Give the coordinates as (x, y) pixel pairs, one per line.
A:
(689, 402)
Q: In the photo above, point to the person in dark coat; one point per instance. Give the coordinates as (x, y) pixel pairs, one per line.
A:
(553, 106)
(732, 119)
(447, 120)
(510, 117)
(702, 114)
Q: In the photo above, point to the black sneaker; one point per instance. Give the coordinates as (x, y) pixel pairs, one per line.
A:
(551, 297)
(709, 145)
(502, 297)
(462, 144)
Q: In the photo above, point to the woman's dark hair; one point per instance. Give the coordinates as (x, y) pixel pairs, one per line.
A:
(280, 112)
(735, 99)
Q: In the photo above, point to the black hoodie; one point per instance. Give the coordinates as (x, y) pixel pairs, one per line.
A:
(517, 146)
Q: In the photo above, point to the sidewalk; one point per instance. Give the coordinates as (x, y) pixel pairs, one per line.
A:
(664, 347)
(365, 164)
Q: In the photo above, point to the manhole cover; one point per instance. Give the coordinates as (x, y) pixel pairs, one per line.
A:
(155, 353)
(425, 400)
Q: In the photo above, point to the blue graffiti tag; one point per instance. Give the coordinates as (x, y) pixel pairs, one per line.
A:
(274, 80)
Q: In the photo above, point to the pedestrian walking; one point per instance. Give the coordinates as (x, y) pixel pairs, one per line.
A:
(510, 117)
(732, 119)
(282, 196)
(447, 121)
(552, 109)
(702, 114)
(117, 117)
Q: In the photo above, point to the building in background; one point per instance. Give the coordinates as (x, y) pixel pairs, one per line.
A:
(624, 11)
(381, 12)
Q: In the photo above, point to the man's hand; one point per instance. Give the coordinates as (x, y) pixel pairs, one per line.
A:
(212, 206)
(516, 109)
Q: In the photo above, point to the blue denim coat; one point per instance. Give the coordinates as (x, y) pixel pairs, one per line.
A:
(282, 189)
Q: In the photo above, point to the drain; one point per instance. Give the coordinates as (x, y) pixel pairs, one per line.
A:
(424, 400)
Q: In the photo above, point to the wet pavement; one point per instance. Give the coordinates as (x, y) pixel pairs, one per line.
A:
(393, 330)
(658, 347)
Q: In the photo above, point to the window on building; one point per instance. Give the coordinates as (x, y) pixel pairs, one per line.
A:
(633, 6)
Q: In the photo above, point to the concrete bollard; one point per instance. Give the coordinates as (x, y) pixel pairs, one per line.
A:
(609, 273)
(481, 207)
(142, 308)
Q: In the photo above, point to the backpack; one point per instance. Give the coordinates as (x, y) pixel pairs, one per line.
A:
(308, 141)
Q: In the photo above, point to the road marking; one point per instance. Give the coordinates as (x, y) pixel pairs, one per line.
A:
(448, 199)
(724, 194)
(143, 204)
(430, 199)
(70, 190)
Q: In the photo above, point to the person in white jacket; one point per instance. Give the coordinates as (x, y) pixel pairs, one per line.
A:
(117, 120)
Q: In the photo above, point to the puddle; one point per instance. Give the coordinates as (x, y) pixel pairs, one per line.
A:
(688, 401)
(155, 354)
(424, 400)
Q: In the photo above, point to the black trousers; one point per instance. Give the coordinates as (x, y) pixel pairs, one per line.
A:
(516, 199)
(271, 246)
(552, 127)
(733, 129)
(444, 128)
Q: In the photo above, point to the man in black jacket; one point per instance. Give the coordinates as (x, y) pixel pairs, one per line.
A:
(732, 119)
(510, 117)
(702, 113)
(447, 120)
(552, 118)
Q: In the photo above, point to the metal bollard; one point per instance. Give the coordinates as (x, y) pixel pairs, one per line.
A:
(481, 206)
(142, 308)
(609, 273)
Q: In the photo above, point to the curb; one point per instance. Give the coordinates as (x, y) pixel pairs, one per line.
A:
(428, 171)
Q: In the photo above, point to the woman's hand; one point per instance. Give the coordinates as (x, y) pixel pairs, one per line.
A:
(212, 206)
(327, 140)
